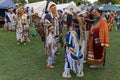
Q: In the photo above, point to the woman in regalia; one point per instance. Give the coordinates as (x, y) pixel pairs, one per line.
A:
(99, 40)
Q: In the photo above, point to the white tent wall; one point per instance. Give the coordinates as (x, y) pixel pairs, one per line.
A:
(38, 6)
(68, 6)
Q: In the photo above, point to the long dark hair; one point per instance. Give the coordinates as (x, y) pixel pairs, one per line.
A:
(98, 10)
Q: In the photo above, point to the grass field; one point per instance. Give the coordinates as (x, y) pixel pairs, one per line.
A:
(19, 62)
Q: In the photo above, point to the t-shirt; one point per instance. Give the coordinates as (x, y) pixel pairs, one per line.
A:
(89, 23)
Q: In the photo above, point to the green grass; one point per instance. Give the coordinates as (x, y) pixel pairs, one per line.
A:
(19, 62)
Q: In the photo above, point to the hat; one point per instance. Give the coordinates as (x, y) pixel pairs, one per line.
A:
(52, 6)
(50, 27)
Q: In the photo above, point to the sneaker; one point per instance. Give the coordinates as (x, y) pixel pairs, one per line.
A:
(81, 74)
(50, 66)
(66, 74)
(24, 43)
(95, 66)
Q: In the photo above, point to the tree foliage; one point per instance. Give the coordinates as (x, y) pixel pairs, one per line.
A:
(108, 1)
(96, 3)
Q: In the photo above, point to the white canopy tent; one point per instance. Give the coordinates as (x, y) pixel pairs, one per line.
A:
(68, 6)
(82, 9)
(38, 6)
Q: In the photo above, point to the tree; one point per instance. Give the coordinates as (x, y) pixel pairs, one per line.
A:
(96, 3)
(108, 1)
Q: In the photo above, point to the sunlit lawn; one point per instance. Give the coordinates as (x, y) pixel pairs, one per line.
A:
(19, 62)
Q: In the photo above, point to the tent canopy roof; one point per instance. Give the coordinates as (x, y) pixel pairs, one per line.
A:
(108, 7)
(68, 6)
(111, 7)
(4, 4)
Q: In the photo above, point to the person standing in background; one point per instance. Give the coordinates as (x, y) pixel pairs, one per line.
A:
(10, 16)
(89, 19)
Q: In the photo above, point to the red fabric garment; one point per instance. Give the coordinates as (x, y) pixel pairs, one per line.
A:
(97, 48)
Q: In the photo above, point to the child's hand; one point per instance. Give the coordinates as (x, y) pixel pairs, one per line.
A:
(78, 62)
(48, 54)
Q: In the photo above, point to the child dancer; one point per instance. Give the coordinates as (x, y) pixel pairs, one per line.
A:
(19, 28)
(51, 47)
(25, 35)
(74, 56)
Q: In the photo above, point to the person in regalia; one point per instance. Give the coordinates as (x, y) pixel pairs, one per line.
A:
(19, 28)
(10, 16)
(53, 17)
(73, 55)
(98, 41)
(51, 46)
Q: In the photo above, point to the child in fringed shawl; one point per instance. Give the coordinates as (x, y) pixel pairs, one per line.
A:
(74, 56)
(66, 73)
